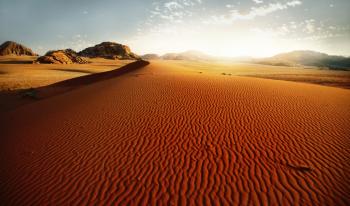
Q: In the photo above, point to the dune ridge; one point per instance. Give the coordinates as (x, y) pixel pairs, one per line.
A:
(88, 79)
(12, 100)
(162, 135)
(74, 83)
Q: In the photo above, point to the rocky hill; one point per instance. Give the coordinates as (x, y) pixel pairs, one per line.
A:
(67, 56)
(109, 50)
(13, 48)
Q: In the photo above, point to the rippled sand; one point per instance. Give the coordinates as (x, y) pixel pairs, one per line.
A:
(165, 135)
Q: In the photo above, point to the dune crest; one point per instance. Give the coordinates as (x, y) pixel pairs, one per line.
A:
(74, 83)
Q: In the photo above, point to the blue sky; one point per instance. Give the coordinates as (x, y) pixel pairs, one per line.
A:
(218, 27)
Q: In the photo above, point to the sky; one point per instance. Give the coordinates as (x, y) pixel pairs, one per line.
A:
(230, 28)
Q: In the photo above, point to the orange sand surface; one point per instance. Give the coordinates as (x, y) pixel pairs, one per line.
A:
(165, 135)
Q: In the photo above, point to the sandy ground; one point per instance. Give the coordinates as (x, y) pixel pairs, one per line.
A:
(19, 72)
(167, 135)
(298, 74)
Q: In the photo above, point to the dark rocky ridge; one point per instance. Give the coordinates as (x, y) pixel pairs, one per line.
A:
(67, 56)
(13, 48)
(109, 50)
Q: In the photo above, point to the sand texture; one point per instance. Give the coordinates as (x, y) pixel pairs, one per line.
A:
(166, 135)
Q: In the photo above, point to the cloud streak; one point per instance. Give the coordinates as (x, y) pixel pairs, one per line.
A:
(258, 1)
(173, 11)
(254, 12)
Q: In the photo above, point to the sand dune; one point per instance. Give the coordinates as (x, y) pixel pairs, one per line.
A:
(165, 135)
(18, 75)
(19, 72)
(75, 83)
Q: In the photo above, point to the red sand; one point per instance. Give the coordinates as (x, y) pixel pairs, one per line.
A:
(164, 135)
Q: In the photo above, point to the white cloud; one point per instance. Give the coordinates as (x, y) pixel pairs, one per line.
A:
(294, 3)
(171, 11)
(254, 12)
(309, 29)
(172, 5)
(258, 1)
(310, 26)
(264, 10)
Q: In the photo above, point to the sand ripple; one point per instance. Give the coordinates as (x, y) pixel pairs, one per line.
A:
(162, 136)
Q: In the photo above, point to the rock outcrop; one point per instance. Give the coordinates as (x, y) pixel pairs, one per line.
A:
(13, 48)
(109, 50)
(67, 56)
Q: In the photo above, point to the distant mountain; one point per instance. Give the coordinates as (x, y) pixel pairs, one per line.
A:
(67, 56)
(13, 48)
(109, 50)
(308, 58)
(188, 55)
(150, 56)
(294, 58)
(193, 55)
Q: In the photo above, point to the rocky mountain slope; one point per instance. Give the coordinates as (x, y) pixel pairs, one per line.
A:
(13, 48)
(110, 50)
(67, 56)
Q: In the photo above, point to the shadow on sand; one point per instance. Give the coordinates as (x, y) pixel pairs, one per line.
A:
(17, 62)
(74, 70)
(12, 100)
(70, 84)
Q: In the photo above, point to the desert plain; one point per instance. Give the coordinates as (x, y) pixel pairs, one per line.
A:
(175, 133)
